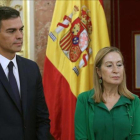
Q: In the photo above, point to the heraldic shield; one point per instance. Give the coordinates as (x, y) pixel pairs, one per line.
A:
(76, 40)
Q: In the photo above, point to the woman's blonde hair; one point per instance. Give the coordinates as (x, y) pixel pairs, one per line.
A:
(122, 89)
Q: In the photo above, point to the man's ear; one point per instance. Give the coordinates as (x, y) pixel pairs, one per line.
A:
(98, 72)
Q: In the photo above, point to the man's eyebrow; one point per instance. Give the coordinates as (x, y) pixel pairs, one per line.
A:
(14, 28)
(22, 27)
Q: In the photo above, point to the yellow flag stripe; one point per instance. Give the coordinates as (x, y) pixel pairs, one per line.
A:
(63, 41)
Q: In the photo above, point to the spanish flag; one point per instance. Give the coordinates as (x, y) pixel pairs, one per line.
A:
(78, 30)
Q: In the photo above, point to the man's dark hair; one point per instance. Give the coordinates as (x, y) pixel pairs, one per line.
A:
(7, 13)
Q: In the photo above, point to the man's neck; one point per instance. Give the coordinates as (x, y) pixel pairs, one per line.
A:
(8, 56)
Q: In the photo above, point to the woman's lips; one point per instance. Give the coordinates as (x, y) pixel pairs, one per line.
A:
(115, 77)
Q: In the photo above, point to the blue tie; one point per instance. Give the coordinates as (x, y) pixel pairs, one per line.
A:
(13, 83)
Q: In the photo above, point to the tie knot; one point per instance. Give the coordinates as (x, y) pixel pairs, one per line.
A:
(10, 65)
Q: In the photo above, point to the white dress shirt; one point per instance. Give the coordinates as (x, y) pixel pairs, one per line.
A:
(4, 63)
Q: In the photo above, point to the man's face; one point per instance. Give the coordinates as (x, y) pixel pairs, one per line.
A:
(11, 37)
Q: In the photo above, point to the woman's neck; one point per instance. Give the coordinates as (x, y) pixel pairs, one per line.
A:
(110, 91)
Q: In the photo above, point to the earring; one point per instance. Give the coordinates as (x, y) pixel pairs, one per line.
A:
(100, 81)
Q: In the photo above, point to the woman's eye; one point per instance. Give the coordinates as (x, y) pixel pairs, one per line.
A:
(109, 65)
(119, 65)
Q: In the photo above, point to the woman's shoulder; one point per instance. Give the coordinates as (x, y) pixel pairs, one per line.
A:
(136, 99)
(86, 95)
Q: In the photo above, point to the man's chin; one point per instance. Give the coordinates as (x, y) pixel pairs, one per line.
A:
(18, 51)
(18, 48)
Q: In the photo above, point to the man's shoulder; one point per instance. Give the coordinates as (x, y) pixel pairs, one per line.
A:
(28, 65)
(25, 60)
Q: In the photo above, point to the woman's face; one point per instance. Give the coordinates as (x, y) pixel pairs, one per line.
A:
(112, 69)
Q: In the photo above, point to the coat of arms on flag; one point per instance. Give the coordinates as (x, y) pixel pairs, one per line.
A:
(76, 41)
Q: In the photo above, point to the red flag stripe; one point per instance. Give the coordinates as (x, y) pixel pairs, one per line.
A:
(101, 1)
(61, 102)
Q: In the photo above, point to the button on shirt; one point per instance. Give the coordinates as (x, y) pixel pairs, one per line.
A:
(113, 124)
(4, 63)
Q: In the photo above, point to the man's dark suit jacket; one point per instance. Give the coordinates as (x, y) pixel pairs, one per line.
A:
(32, 122)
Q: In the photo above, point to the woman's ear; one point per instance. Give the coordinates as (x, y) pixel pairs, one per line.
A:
(98, 72)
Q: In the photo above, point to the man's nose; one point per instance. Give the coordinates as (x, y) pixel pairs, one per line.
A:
(19, 34)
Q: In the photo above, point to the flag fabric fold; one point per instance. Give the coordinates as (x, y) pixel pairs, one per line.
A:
(78, 30)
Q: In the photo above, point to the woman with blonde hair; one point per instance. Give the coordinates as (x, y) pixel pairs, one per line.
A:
(109, 111)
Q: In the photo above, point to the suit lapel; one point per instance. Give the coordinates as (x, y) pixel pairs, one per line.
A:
(23, 83)
(7, 87)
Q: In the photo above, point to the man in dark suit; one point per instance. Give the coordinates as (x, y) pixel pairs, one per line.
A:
(23, 111)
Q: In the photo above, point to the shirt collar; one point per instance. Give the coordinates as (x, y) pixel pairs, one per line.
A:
(122, 100)
(4, 62)
(91, 100)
